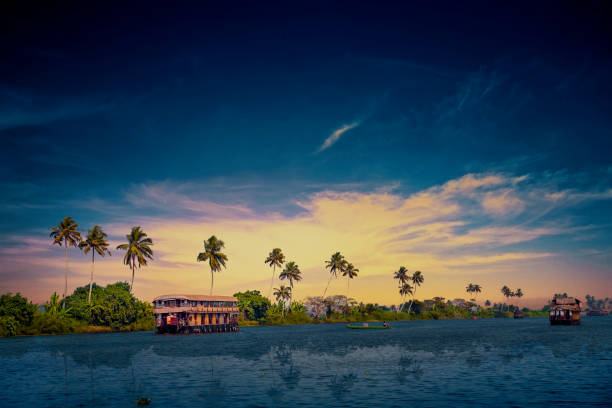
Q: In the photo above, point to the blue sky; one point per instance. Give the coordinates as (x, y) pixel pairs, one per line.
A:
(263, 107)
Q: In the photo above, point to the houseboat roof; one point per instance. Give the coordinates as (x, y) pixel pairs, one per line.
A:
(213, 298)
(565, 301)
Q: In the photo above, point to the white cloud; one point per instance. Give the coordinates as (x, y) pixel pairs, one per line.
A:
(333, 138)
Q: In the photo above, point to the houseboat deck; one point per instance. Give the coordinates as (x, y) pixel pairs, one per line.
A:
(195, 314)
(564, 311)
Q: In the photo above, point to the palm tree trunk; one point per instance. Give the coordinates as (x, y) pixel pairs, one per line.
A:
(212, 281)
(328, 282)
(348, 281)
(272, 282)
(401, 306)
(91, 277)
(66, 271)
(411, 301)
(132, 285)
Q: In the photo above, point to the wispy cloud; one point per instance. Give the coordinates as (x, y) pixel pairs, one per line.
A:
(336, 134)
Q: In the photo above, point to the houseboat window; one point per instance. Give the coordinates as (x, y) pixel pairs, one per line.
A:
(194, 303)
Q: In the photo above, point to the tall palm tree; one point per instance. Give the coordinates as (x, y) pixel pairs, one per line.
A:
(350, 272)
(402, 277)
(336, 264)
(274, 259)
(473, 288)
(519, 293)
(66, 231)
(292, 273)
(95, 242)
(216, 259)
(137, 250)
(405, 290)
(505, 290)
(417, 279)
(282, 293)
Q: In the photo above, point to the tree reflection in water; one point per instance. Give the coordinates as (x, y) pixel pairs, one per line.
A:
(340, 385)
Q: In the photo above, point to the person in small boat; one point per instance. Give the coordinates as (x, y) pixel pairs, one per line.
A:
(385, 324)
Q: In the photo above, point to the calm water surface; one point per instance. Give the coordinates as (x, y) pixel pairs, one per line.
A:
(460, 363)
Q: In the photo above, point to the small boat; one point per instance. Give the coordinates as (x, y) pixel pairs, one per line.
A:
(366, 326)
(518, 314)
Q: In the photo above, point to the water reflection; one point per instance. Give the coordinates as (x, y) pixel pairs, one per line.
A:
(282, 366)
(340, 385)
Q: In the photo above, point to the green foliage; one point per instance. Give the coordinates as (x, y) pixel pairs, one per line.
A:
(112, 306)
(18, 308)
(47, 323)
(8, 326)
(252, 304)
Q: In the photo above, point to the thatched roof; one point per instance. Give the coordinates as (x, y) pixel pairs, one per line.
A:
(565, 301)
(199, 298)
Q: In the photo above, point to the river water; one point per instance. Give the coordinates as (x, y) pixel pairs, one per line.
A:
(453, 363)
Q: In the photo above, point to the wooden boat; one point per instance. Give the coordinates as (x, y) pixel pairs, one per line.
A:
(366, 326)
(195, 314)
(564, 311)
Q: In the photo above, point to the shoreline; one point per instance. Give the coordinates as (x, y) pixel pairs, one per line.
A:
(107, 330)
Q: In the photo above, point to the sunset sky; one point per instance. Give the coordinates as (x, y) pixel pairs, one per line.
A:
(470, 143)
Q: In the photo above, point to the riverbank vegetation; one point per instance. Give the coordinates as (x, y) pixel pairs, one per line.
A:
(257, 310)
(112, 308)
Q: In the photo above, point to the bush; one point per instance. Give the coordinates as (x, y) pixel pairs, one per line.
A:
(252, 305)
(46, 323)
(8, 326)
(112, 306)
(17, 307)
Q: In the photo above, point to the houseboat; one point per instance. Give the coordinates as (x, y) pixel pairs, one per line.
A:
(195, 314)
(564, 311)
(518, 314)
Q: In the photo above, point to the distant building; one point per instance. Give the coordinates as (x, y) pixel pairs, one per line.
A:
(429, 304)
(459, 303)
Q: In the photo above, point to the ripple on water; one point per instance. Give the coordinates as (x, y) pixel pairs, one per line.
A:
(460, 363)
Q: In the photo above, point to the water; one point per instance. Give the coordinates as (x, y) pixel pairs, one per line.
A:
(459, 363)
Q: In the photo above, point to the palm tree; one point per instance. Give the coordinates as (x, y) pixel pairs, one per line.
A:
(417, 279)
(66, 231)
(404, 290)
(350, 272)
(216, 259)
(292, 273)
(137, 250)
(505, 290)
(274, 259)
(336, 264)
(95, 242)
(473, 288)
(53, 307)
(519, 293)
(282, 293)
(402, 276)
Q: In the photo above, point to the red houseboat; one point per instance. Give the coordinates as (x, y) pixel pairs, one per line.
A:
(564, 311)
(195, 314)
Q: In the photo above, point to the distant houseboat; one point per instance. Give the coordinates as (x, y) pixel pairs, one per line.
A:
(518, 314)
(195, 314)
(564, 311)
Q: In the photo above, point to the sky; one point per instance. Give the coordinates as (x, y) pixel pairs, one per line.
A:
(470, 142)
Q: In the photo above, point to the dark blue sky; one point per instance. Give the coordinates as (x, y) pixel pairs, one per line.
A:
(96, 100)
